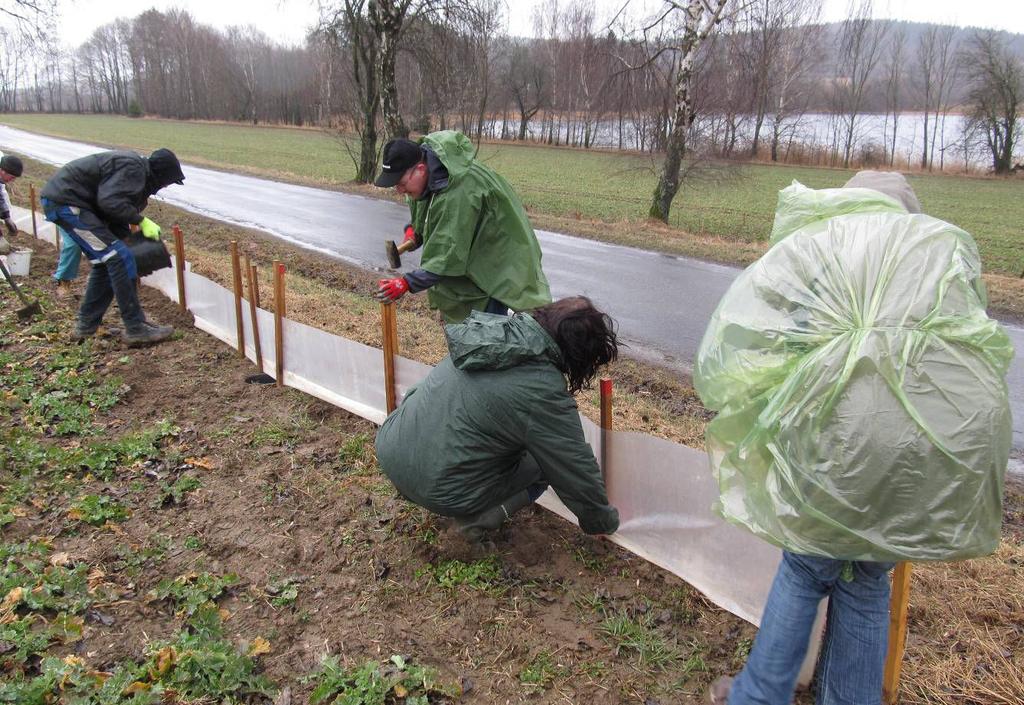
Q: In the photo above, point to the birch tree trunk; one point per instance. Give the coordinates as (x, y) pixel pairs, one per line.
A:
(387, 18)
(698, 23)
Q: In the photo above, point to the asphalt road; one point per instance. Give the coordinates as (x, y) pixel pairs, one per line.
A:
(662, 303)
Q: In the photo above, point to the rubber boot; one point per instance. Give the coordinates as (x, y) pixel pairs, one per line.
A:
(147, 334)
(475, 527)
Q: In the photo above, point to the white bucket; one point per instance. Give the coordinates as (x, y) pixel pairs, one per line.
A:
(18, 262)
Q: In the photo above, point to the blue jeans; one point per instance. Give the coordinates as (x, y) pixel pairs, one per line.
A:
(852, 658)
(113, 266)
(70, 258)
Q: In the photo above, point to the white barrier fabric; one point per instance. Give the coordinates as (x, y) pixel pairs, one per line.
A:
(213, 307)
(407, 373)
(335, 369)
(265, 320)
(165, 281)
(663, 490)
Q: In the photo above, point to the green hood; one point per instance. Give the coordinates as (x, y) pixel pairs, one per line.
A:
(454, 149)
(485, 341)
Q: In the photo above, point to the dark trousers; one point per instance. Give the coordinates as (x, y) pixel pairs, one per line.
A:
(113, 267)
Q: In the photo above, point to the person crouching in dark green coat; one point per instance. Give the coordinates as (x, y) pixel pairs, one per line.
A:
(495, 422)
(479, 250)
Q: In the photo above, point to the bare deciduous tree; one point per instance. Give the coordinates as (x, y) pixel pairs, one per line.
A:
(896, 57)
(347, 26)
(528, 82)
(860, 48)
(996, 96)
(388, 20)
(699, 19)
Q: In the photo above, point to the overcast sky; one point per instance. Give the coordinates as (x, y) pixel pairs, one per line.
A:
(287, 20)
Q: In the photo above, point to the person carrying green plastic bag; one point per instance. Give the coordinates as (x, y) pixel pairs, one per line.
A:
(863, 418)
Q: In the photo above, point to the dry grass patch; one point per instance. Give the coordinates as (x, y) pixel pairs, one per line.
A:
(1005, 295)
(966, 630)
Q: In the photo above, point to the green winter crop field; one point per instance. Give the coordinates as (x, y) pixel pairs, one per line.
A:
(608, 192)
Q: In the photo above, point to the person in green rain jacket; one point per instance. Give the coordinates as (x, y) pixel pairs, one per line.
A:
(495, 422)
(479, 250)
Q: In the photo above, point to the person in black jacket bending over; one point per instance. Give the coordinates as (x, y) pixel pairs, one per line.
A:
(95, 199)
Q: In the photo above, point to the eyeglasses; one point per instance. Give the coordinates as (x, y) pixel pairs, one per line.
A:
(403, 182)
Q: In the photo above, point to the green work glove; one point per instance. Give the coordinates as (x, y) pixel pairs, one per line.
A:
(149, 229)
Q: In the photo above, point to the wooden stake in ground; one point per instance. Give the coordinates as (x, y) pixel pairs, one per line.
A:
(254, 302)
(389, 333)
(279, 322)
(32, 199)
(179, 266)
(898, 607)
(606, 425)
(236, 273)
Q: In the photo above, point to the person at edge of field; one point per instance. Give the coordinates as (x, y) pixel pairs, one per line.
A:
(852, 658)
(495, 423)
(95, 200)
(480, 252)
(68, 264)
(10, 169)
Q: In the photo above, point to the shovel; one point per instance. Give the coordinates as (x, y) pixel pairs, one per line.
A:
(31, 308)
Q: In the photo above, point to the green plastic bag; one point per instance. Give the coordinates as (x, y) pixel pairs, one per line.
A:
(860, 386)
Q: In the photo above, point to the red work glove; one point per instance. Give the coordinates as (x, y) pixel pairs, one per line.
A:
(392, 289)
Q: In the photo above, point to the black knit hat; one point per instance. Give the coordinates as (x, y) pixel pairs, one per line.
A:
(400, 155)
(11, 164)
(166, 167)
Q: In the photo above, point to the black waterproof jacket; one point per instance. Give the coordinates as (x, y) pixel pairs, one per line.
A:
(115, 185)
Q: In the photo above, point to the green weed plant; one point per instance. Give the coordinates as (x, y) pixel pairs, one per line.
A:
(193, 591)
(484, 575)
(97, 510)
(395, 682)
(637, 638)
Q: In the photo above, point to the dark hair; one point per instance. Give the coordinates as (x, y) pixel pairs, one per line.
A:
(585, 336)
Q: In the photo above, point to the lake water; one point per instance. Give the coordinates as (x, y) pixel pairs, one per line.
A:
(816, 130)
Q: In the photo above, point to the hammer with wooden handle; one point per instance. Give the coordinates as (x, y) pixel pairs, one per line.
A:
(394, 252)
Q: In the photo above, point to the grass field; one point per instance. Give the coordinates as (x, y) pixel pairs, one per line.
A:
(610, 192)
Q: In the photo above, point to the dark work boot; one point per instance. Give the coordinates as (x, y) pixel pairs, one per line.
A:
(475, 527)
(147, 334)
(80, 333)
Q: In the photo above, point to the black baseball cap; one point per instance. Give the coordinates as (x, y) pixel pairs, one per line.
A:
(400, 155)
(11, 164)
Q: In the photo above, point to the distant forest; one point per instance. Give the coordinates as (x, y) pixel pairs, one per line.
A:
(383, 68)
